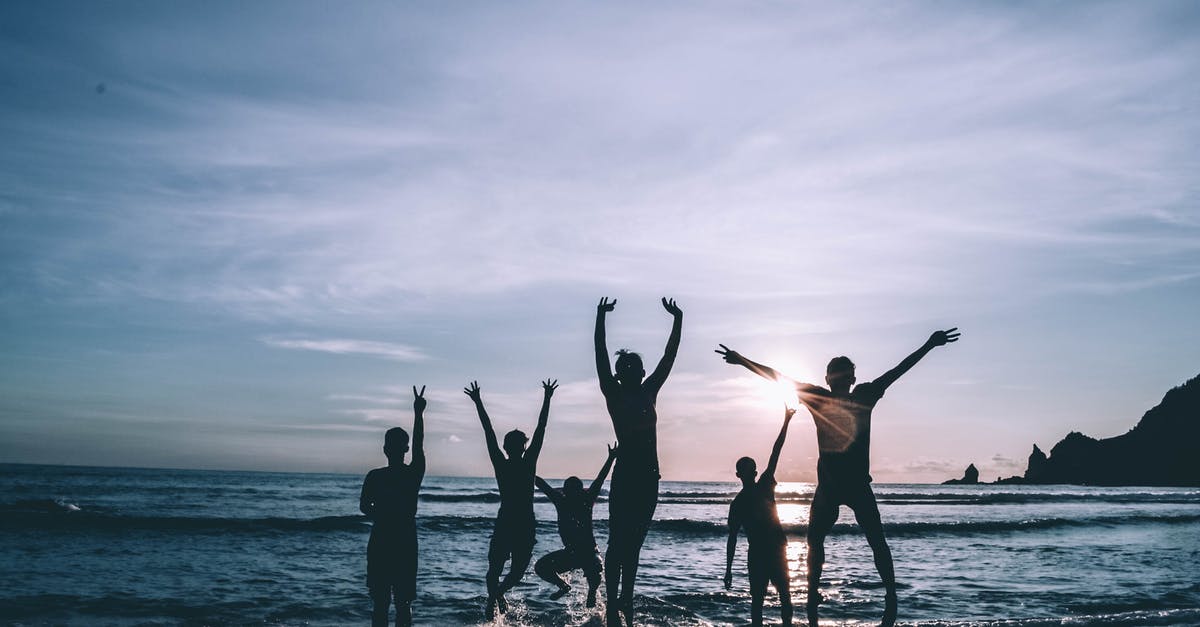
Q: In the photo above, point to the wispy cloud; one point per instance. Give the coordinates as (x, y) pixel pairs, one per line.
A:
(385, 350)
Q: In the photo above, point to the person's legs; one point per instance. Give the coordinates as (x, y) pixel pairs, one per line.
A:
(866, 512)
(643, 512)
(592, 568)
(614, 561)
(405, 589)
(381, 598)
(522, 554)
(821, 516)
(756, 569)
(498, 552)
(780, 578)
(403, 609)
(549, 566)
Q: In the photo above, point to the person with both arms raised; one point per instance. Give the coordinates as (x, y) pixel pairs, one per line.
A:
(842, 415)
(516, 527)
(753, 509)
(631, 397)
(574, 506)
(389, 499)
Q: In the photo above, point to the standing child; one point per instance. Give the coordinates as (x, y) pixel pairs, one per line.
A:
(389, 499)
(753, 509)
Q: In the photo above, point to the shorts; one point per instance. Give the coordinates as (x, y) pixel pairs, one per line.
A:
(392, 562)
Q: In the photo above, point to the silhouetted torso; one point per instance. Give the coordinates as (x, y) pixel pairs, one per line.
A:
(754, 507)
(575, 521)
(515, 480)
(636, 424)
(843, 424)
(393, 490)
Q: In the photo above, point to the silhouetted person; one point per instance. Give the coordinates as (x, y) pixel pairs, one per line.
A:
(574, 506)
(753, 509)
(633, 494)
(389, 499)
(516, 528)
(842, 415)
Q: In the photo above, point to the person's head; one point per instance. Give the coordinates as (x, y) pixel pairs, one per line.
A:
(839, 374)
(514, 443)
(747, 470)
(573, 487)
(395, 443)
(629, 367)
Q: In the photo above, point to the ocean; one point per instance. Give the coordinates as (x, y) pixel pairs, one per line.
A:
(124, 546)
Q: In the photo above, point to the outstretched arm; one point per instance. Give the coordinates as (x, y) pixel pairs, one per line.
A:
(418, 437)
(539, 434)
(489, 434)
(546, 489)
(731, 545)
(657, 378)
(939, 338)
(733, 357)
(788, 412)
(594, 491)
(603, 366)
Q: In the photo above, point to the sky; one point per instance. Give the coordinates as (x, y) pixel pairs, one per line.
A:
(234, 235)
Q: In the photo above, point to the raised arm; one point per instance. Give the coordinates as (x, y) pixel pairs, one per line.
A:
(418, 437)
(788, 412)
(603, 366)
(657, 378)
(489, 434)
(735, 523)
(539, 434)
(594, 490)
(546, 489)
(938, 338)
(733, 357)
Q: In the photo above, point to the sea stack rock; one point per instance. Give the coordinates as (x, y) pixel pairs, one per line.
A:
(970, 477)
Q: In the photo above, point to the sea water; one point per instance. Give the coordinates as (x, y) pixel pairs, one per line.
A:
(119, 546)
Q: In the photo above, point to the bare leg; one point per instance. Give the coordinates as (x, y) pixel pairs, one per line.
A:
(783, 587)
(612, 577)
(497, 555)
(403, 613)
(548, 567)
(381, 598)
(866, 513)
(821, 517)
(521, 557)
(756, 609)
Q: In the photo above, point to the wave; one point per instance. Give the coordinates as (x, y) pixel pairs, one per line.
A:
(709, 528)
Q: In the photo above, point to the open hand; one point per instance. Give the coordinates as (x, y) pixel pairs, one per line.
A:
(472, 391)
(606, 305)
(671, 307)
(419, 399)
(549, 386)
(731, 356)
(941, 338)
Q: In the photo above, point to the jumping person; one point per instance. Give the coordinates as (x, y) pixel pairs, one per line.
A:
(753, 509)
(574, 506)
(389, 499)
(633, 496)
(842, 414)
(516, 528)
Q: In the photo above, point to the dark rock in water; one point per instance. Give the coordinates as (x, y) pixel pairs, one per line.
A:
(970, 477)
(1159, 451)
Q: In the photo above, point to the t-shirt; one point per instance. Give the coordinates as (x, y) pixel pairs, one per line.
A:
(843, 424)
(514, 477)
(754, 508)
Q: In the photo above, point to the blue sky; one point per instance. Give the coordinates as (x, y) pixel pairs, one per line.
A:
(233, 235)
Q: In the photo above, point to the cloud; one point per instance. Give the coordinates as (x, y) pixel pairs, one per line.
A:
(385, 350)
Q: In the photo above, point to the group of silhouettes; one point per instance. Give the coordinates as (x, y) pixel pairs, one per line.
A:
(842, 416)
